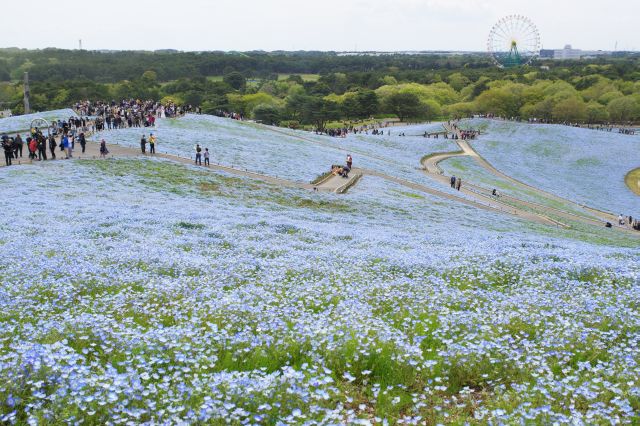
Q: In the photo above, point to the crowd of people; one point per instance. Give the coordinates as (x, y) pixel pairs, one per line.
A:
(128, 113)
(629, 221)
(37, 143)
(461, 133)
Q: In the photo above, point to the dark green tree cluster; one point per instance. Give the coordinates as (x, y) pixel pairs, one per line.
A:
(315, 88)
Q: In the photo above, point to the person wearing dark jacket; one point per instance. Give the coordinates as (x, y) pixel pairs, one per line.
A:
(143, 144)
(52, 147)
(8, 150)
(83, 142)
(42, 148)
(18, 144)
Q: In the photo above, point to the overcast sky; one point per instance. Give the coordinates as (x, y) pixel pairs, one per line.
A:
(341, 25)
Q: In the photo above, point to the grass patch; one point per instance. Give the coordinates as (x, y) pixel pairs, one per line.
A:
(632, 179)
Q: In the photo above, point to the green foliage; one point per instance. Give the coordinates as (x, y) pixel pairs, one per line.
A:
(405, 106)
(311, 87)
(624, 109)
(235, 80)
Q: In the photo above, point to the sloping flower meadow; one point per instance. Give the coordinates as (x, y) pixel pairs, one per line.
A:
(140, 291)
(23, 122)
(587, 166)
(285, 153)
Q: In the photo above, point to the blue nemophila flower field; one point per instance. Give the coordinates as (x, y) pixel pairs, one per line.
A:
(23, 122)
(587, 166)
(142, 291)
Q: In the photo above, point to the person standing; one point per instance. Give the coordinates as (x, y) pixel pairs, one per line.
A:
(52, 147)
(83, 141)
(349, 161)
(143, 144)
(458, 184)
(198, 154)
(33, 147)
(8, 150)
(452, 181)
(18, 143)
(152, 144)
(42, 148)
(66, 145)
(206, 157)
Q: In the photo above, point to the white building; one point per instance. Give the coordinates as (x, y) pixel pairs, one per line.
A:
(570, 53)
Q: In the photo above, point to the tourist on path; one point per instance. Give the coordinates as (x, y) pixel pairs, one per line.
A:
(452, 181)
(206, 156)
(33, 147)
(458, 184)
(103, 149)
(349, 161)
(42, 148)
(8, 150)
(52, 147)
(83, 142)
(18, 142)
(66, 146)
(143, 144)
(198, 154)
(152, 144)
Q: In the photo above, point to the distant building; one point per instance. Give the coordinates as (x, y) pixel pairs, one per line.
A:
(569, 53)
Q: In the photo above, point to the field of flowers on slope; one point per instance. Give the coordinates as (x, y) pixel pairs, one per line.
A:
(144, 291)
(23, 122)
(294, 155)
(583, 165)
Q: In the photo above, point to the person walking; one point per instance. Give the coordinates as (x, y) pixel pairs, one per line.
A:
(206, 157)
(452, 181)
(103, 149)
(458, 184)
(143, 144)
(52, 147)
(8, 150)
(83, 141)
(152, 144)
(198, 154)
(349, 161)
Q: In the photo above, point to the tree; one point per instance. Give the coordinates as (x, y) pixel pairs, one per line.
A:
(458, 81)
(623, 110)
(150, 77)
(368, 102)
(266, 113)
(235, 80)
(405, 106)
(597, 113)
(572, 109)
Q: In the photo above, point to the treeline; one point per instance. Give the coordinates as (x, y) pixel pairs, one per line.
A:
(411, 87)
